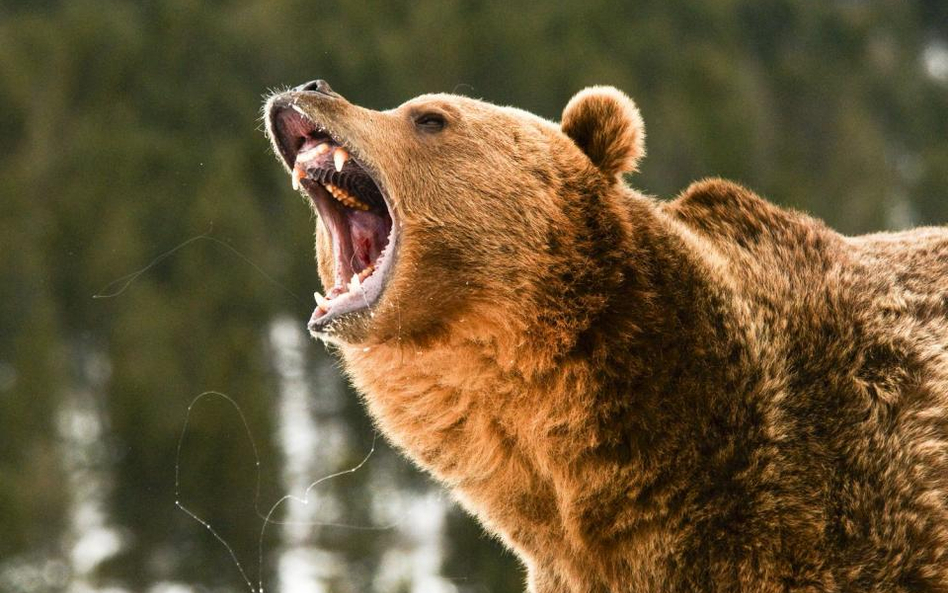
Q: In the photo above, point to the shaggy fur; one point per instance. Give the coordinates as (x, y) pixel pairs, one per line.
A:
(708, 394)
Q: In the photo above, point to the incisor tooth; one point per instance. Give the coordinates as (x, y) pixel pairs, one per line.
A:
(317, 150)
(339, 158)
(320, 300)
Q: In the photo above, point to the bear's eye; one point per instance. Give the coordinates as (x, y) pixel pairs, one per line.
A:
(430, 122)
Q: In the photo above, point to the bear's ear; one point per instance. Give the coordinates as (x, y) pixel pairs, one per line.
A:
(607, 126)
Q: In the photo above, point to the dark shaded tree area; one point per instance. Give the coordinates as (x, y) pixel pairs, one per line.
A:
(129, 128)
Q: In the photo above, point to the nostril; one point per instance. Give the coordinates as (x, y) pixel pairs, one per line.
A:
(318, 86)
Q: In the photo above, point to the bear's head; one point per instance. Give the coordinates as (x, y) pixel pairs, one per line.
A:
(449, 208)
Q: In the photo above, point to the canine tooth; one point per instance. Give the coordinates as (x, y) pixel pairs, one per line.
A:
(298, 175)
(355, 284)
(339, 158)
(322, 301)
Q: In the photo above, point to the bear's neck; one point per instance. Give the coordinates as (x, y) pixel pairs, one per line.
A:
(526, 416)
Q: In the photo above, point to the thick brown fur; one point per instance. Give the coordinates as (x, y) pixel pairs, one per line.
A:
(707, 394)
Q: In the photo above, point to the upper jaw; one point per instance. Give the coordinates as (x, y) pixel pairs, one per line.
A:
(289, 118)
(352, 205)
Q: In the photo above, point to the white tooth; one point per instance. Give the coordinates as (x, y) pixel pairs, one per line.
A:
(339, 158)
(313, 152)
(298, 175)
(298, 110)
(355, 284)
(320, 299)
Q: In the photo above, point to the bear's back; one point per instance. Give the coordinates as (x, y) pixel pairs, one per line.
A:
(793, 260)
(852, 333)
(914, 261)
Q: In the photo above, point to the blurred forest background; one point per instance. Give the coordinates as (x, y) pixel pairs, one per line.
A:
(130, 129)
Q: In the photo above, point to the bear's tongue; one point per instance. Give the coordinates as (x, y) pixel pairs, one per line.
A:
(360, 245)
(368, 233)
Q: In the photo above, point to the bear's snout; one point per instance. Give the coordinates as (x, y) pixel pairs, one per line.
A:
(317, 86)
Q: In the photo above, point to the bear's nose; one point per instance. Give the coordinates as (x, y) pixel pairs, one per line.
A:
(317, 86)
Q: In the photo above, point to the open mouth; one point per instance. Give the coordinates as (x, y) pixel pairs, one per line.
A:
(352, 206)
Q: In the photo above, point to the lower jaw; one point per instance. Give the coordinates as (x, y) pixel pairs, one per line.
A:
(343, 305)
(351, 308)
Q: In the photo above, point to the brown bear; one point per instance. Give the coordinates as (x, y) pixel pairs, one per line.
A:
(706, 394)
